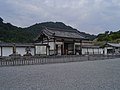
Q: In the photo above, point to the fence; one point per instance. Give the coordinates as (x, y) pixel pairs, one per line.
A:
(32, 60)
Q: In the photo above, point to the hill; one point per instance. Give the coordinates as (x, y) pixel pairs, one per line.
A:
(109, 36)
(10, 33)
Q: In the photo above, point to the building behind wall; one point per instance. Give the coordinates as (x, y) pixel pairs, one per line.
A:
(112, 48)
(60, 41)
(91, 48)
(54, 41)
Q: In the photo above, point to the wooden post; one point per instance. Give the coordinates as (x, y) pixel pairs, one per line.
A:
(46, 50)
(87, 51)
(54, 46)
(34, 50)
(98, 50)
(63, 47)
(14, 49)
(74, 47)
(1, 52)
(113, 51)
(80, 47)
(48, 46)
(93, 51)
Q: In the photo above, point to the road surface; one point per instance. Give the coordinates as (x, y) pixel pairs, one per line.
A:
(88, 75)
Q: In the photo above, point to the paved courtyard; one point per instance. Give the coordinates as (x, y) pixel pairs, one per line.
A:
(89, 75)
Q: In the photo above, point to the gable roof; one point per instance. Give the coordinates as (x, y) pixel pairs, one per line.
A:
(62, 33)
(114, 44)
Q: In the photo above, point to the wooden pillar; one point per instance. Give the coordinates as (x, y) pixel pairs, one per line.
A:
(113, 51)
(49, 50)
(34, 50)
(93, 51)
(48, 46)
(98, 50)
(80, 47)
(14, 49)
(1, 52)
(46, 50)
(87, 50)
(74, 47)
(63, 47)
(107, 50)
(54, 46)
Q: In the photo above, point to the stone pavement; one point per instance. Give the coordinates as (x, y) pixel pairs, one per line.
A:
(89, 75)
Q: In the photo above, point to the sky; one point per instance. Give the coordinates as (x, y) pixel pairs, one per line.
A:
(90, 16)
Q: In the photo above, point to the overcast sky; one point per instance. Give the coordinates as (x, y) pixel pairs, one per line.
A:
(91, 16)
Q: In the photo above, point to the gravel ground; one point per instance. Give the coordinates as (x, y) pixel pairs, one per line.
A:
(89, 75)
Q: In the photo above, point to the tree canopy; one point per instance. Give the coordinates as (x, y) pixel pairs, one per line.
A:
(109, 36)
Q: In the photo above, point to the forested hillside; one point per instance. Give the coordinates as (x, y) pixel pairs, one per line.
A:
(109, 36)
(10, 33)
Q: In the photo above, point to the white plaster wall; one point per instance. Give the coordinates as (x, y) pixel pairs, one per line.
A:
(96, 51)
(101, 51)
(84, 51)
(33, 51)
(90, 50)
(105, 50)
(51, 44)
(21, 50)
(7, 51)
(40, 49)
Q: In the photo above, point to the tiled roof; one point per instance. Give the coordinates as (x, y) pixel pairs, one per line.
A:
(3, 44)
(114, 44)
(63, 33)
